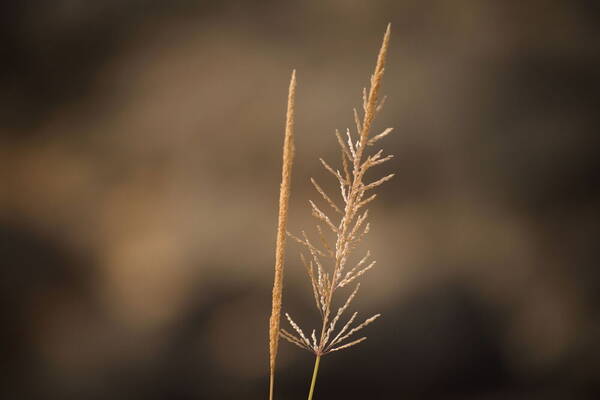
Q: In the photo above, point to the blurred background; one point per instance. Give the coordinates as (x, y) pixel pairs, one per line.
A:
(140, 154)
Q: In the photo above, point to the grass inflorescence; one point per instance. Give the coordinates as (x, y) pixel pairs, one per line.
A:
(328, 263)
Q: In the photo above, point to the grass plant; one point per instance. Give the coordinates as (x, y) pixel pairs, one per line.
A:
(328, 264)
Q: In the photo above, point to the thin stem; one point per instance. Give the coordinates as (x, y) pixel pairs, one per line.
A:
(271, 382)
(314, 378)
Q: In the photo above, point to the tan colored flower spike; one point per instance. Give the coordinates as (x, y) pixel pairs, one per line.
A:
(284, 197)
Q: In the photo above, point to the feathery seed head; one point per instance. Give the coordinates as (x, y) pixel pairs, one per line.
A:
(349, 227)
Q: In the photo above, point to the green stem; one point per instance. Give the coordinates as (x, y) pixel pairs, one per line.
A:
(314, 378)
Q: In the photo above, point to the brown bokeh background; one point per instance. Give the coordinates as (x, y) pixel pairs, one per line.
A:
(140, 148)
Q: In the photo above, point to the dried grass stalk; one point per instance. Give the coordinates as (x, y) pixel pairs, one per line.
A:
(284, 197)
(349, 226)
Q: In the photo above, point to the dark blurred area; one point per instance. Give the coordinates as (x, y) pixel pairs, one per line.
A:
(140, 153)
